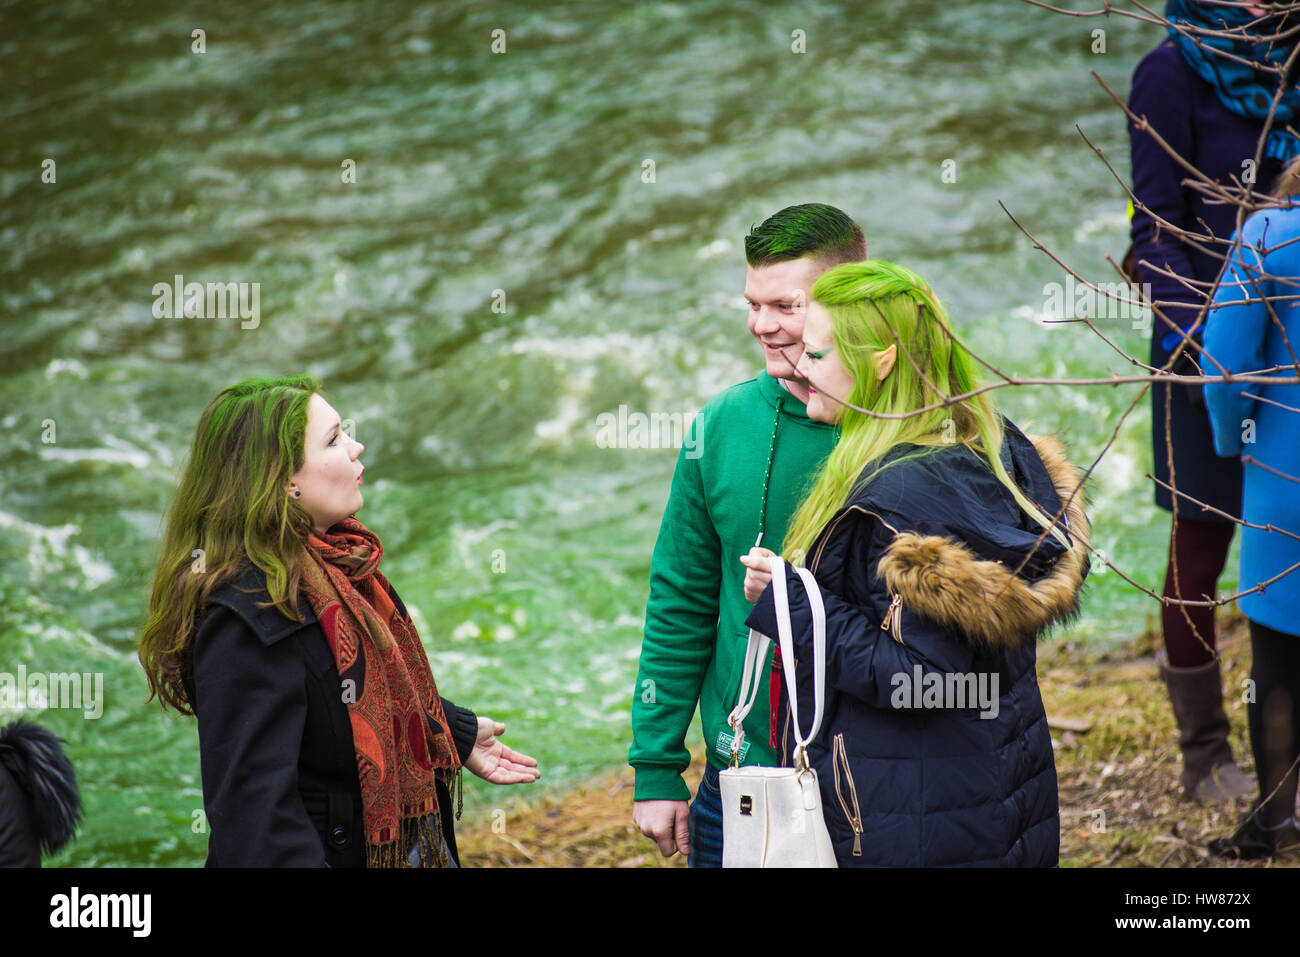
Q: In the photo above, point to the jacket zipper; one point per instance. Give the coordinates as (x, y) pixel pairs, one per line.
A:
(826, 535)
(840, 755)
(893, 622)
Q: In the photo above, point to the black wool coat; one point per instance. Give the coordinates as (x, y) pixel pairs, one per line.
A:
(280, 784)
(19, 845)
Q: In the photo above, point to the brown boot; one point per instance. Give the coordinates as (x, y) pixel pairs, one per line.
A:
(1209, 772)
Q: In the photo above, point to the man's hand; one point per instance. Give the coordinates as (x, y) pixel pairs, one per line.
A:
(493, 761)
(664, 822)
(758, 571)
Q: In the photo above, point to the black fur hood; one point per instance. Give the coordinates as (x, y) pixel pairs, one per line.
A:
(40, 805)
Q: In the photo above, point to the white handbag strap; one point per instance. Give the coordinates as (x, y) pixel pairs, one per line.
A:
(756, 660)
(787, 651)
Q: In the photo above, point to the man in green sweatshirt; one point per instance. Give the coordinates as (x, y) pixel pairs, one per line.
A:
(752, 457)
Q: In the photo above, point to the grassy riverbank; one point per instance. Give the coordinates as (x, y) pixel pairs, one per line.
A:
(1118, 779)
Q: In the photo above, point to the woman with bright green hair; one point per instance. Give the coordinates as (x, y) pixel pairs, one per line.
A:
(945, 543)
(322, 737)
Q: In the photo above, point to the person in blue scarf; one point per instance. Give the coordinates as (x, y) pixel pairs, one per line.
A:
(1248, 91)
(1211, 109)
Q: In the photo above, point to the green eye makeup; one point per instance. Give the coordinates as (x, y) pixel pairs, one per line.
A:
(822, 354)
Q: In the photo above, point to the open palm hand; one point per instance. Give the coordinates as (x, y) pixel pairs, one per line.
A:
(493, 761)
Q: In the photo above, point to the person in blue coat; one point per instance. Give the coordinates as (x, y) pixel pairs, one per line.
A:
(944, 542)
(1253, 327)
(1201, 97)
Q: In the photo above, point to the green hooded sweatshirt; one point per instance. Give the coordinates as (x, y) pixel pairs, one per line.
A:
(695, 632)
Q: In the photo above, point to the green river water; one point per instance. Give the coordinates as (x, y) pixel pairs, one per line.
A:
(521, 545)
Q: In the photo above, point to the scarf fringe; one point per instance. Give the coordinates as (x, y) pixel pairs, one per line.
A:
(424, 832)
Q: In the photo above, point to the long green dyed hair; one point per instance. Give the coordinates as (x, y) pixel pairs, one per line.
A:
(873, 305)
(231, 507)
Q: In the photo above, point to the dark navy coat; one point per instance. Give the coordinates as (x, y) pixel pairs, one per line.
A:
(921, 579)
(1186, 112)
(280, 784)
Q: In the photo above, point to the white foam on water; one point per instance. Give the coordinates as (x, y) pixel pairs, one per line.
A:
(458, 663)
(468, 543)
(71, 366)
(50, 643)
(719, 247)
(449, 450)
(50, 551)
(124, 454)
(1114, 220)
(667, 363)
(1032, 314)
(466, 629)
(570, 415)
(618, 344)
(629, 621)
(1113, 481)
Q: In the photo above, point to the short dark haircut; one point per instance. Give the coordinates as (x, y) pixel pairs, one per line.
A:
(812, 230)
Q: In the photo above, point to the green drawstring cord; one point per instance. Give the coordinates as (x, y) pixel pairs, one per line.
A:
(767, 474)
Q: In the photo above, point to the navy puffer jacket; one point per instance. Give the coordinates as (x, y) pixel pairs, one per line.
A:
(934, 748)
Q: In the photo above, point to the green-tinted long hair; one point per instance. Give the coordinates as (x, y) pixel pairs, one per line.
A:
(872, 305)
(231, 506)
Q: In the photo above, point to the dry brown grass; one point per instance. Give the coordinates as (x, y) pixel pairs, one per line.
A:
(1119, 781)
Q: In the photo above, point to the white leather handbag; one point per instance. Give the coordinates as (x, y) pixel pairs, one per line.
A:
(772, 817)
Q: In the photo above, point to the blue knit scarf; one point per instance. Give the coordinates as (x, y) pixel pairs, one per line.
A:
(1245, 91)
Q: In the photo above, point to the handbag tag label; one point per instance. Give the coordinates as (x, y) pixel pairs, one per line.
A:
(723, 746)
(808, 784)
(746, 804)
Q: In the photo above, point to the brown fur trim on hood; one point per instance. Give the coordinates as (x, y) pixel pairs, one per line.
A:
(941, 579)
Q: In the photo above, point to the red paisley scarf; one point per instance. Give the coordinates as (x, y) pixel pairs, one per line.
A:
(401, 735)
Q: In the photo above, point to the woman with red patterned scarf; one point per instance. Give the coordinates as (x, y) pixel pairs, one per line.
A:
(323, 739)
